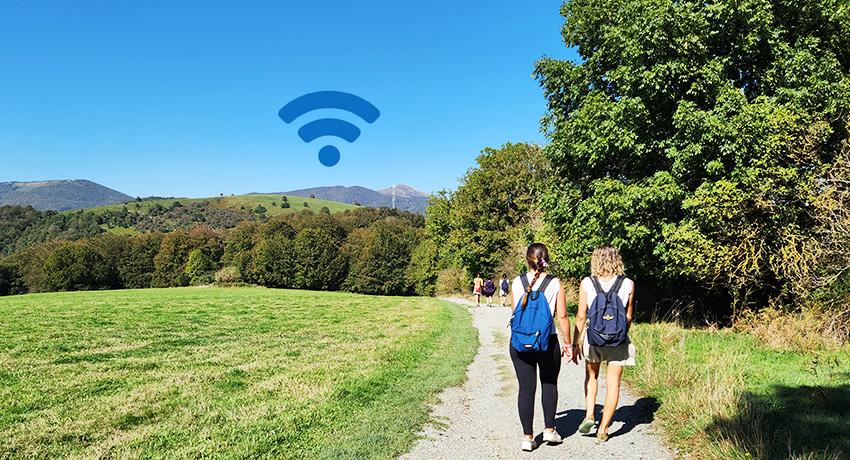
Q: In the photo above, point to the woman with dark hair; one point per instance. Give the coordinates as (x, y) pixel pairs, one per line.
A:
(538, 296)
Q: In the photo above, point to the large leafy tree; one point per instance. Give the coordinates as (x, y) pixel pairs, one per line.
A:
(474, 226)
(694, 135)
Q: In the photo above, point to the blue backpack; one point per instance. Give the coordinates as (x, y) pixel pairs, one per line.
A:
(607, 325)
(505, 286)
(531, 326)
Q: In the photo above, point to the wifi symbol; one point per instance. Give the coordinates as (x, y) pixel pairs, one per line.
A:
(329, 155)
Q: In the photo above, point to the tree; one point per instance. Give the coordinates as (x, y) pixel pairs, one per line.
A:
(170, 262)
(11, 281)
(285, 205)
(199, 267)
(692, 136)
(422, 271)
(379, 256)
(475, 226)
(325, 210)
(136, 263)
(75, 266)
(320, 264)
(275, 262)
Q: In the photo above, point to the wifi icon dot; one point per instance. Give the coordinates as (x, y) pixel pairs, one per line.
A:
(329, 155)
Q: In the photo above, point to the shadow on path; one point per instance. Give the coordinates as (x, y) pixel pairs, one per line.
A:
(642, 412)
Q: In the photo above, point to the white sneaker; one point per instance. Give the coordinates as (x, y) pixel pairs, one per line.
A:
(552, 437)
(528, 445)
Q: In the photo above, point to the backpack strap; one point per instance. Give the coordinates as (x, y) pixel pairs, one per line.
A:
(548, 279)
(595, 281)
(615, 289)
(524, 279)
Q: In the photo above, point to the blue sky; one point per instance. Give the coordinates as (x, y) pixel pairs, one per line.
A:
(181, 98)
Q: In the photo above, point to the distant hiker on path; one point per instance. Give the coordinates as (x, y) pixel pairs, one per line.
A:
(488, 290)
(504, 288)
(538, 296)
(477, 284)
(605, 311)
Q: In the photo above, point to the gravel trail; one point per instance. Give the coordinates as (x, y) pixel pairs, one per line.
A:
(479, 419)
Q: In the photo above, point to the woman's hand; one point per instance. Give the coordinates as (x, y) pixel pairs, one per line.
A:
(567, 352)
(576, 353)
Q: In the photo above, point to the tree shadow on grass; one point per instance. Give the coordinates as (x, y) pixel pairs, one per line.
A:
(790, 421)
(640, 413)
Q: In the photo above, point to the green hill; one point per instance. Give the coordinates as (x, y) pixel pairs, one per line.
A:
(272, 203)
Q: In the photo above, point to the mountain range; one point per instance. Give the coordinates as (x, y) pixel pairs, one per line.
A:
(59, 195)
(63, 195)
(399, 196)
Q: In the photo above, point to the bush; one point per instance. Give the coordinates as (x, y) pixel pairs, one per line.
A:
(228, 275)
(452, 281)
(379, 258)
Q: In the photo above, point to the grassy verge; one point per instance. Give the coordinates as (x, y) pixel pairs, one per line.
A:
(726, 395)
(226, 373)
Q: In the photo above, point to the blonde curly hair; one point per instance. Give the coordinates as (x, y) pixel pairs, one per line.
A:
(606, 261)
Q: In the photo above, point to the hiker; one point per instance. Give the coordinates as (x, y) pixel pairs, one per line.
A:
(488, 290)
(605, 309)
(538, 296)
(477, 283)
(504, 287)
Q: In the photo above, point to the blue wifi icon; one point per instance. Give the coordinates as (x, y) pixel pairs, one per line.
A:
(329, 155)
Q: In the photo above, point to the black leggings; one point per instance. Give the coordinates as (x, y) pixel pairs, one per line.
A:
(525, 365)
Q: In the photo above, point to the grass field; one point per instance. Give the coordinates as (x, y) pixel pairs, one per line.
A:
(724, 394)
(237, 201)
(214, 372)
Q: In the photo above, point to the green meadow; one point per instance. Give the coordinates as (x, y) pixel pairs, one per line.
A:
(223, 372)
(249, 202)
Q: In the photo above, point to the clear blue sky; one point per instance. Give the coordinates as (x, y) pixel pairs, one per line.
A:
(180, 98)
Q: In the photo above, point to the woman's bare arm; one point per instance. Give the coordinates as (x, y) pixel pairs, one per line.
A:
(581, 315)
(564, 322)
(630, 309)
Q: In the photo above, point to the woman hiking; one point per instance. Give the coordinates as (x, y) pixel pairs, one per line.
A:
(538, 296)
(605, 311)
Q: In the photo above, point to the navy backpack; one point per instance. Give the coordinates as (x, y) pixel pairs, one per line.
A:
(607, 325)
(531, 326)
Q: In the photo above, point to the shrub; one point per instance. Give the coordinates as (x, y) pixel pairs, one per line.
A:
(453, 280)
(228, 275)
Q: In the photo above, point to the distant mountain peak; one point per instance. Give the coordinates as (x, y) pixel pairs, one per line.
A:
(407, 198)
(403, 191)
(59, 195)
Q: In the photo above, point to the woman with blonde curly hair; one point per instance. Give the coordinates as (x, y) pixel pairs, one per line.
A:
(607, 276)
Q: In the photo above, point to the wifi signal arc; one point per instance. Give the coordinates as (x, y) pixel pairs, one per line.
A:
(329, 100)
(329, 127)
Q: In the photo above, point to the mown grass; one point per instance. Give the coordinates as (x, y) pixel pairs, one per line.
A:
(725, 394)
(215, 372)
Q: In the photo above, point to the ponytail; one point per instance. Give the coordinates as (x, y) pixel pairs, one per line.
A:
(535, 257)
(528, 289)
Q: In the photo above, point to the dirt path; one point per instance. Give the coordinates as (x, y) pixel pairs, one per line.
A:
(479, 419)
